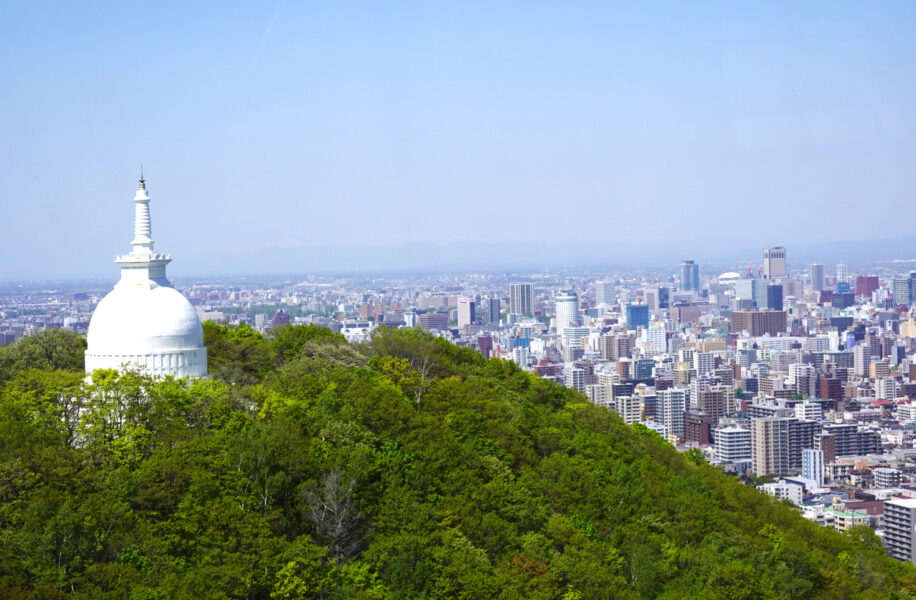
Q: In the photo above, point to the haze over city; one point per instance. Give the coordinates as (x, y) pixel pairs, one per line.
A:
(267, 130)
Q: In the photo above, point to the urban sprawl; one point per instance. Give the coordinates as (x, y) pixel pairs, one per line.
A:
(801, 381)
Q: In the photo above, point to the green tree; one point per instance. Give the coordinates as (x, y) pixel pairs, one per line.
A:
(48, 348)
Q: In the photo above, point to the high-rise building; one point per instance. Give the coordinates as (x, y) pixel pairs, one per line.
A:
(904, 289)
(774, 296)
(604, 292)
(716, 401)
(866, 285)
(758, 322)
(774, 263)
(852, 441)
(690, 276)
(466, 311)
(629, 408)
(704, 362)
(733, 444)
(697, 427)
(493, 306)
(816, 273)
(485, 345)
(813, 465)
(900, 528)
(669, 410)
(637, 316)
(842, 278)
(777, 444)
(575, 379)
(521, 299)
(434, 321)
(614, 346)
(567, 309)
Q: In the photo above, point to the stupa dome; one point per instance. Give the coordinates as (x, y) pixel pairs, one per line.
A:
(144, 323)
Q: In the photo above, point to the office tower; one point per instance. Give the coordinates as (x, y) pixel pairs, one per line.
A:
(733, 444)
(842, 278)
(521, 299)
(664, 296)
(900, 528)
(866, 285)
(816, 273)
(466, 311)
(813, 465)
(774, 296)
(643, 368)
(567, 309)
(434, 321)
(754, 290)
(637, 316)
(604, 292)
(493, 306)
(669, 410)
(690, 276)
(904, 289)
(774, 263)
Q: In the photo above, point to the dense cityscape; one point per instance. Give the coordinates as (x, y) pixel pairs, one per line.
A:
(801, 380)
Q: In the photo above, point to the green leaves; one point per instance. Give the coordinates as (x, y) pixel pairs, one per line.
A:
(306, 469)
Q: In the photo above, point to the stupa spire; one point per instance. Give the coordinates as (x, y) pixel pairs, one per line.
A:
(142, 242)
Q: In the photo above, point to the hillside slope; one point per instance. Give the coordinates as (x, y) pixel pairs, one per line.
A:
(410, 468)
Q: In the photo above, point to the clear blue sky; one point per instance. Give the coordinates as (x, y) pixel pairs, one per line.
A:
(264, 124)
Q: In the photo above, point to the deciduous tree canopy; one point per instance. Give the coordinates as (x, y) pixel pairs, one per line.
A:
(404, 468)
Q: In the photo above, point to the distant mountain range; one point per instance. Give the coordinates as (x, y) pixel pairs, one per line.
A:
(715, 254)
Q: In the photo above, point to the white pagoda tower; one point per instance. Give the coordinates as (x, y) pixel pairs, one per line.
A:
(144, 323)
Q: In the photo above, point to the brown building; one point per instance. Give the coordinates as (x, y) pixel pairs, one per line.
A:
(716, 401)
(615, 346)
(434, 320)
(698, 428)
(831, 388)
(866, 284)
(758, 322)
(826, 443)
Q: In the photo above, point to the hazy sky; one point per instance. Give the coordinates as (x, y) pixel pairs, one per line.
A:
(292, 123)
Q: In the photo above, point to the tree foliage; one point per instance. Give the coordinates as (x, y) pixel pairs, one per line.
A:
(407, 468)
(49, 348)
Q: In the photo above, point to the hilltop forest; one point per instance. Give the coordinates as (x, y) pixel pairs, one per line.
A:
(406, 467)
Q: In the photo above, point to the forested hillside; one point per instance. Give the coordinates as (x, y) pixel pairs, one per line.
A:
(405, 468)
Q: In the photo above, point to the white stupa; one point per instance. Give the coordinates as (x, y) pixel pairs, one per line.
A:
(144, 323)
